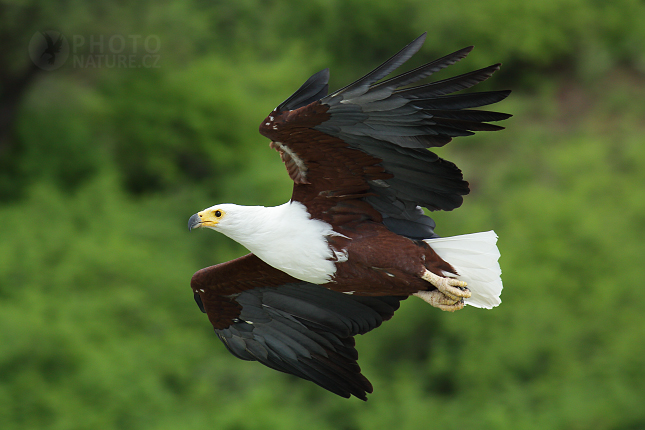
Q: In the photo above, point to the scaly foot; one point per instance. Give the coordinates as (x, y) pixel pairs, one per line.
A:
(451, 287)
(440, 300)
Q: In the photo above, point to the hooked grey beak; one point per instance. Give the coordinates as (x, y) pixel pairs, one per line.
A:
(194, 222)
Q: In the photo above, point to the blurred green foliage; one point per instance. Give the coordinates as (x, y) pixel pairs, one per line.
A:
(103, 166)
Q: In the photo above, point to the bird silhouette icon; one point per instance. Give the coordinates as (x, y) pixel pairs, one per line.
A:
(52, 48)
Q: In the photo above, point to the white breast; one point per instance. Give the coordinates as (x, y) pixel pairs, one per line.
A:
(285, 237)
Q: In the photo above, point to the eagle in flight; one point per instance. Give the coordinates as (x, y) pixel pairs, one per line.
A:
(353, 241)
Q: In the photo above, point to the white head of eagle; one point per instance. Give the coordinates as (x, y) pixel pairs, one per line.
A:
(285, 237)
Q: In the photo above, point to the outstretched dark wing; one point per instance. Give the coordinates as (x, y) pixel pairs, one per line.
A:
(360, 153)
(289, 325)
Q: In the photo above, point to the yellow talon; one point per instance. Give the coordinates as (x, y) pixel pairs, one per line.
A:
(440, 300)
(451, 287)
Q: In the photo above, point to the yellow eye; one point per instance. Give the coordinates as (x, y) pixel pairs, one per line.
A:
(218, 213)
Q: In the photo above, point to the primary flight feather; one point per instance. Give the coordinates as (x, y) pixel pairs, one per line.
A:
(353, 241)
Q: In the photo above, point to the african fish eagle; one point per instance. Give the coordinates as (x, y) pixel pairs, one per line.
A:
(353, 241)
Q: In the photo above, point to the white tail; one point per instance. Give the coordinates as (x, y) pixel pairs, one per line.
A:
(474, 256)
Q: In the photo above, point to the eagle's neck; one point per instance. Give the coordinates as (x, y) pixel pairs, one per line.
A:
(287, 238)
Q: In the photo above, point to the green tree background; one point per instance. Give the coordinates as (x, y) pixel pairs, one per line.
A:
(100, 167)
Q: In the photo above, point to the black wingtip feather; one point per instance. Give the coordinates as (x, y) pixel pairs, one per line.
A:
(449, 85)
(461, 101)
(424, 71)
(384, 69)
(313, 89)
